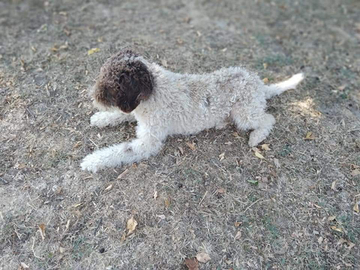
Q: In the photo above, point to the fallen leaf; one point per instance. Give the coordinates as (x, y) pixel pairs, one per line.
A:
(237, 236)
(109, 187)
(222, 156)
(265, 147)
(155, 194)
(192, 264)
(351, 245)
(123, 237)
(54, 49)
(64, 47)
(334, 228)
(161, 216)
(167, 202)
(356, 207)
(67, 226)
(221, 191)
(42, 230)
(258, 155)
(122, 175)
(67, 31)
(131, 225)
(333, 186)
(93, 50)
(342, 87)
(277, 163)
(164, 63)
(62, 250)
(76, 145)
(58, 190)
(253, 182)
(237, 224)
(265, 80)
(20, 166)
(317, 206)
(77, 205)
(191, 146)
(265, 65)
(355, 172)
(187, 19)
(309, 136)
(341, 241)
(24, 266)
(180, 41)
(331, 218)
(181, 150)
(203, 257)
(320, 240)
(273, 173)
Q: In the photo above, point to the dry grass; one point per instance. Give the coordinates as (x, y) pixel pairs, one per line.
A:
(294, 209)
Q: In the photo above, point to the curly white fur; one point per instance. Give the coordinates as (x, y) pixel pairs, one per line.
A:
(188, 104)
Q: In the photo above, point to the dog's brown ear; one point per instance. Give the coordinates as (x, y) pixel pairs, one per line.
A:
(145, 81)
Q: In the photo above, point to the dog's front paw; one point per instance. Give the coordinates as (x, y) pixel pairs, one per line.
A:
(99, 119)
(256, 137)
(91, 163)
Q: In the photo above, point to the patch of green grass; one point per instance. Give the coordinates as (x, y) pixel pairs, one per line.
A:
(56, 158)
(271, 227)
(253, 182)
(314, 265)
(285, 151)
(352, 231)
(349, 74)
(247, 248)
(274, 60)
(192, 174)
(81, 248)
(322, 203)
(253, 197)
(261, 39)
(345, 93)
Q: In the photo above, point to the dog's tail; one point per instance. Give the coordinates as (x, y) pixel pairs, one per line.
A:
(278, 88)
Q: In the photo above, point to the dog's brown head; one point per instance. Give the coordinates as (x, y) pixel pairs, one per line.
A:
(124, 81)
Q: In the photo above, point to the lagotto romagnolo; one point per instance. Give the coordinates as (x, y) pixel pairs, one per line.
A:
(163, 103)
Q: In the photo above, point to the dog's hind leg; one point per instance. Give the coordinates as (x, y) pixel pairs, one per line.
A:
(258, 120)
(110, 118)
(264, 126)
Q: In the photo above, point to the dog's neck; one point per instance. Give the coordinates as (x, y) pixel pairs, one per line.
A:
(162, 93)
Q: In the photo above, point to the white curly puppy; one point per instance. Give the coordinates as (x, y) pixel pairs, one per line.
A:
(163, 103)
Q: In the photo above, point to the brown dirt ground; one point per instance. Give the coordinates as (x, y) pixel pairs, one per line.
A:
(295, 209)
